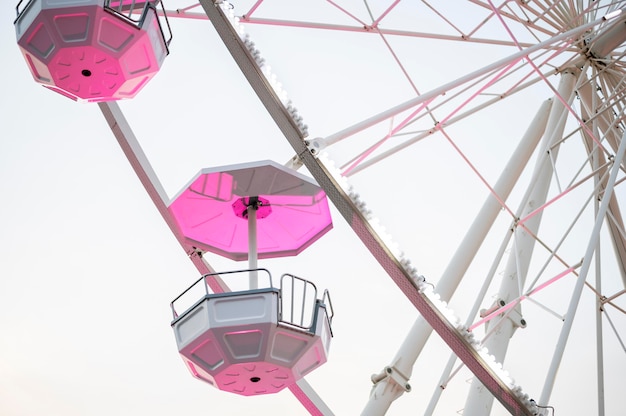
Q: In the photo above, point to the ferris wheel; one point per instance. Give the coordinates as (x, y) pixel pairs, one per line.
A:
(485, 136)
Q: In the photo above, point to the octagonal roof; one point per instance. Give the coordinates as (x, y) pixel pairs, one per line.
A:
(206, 210)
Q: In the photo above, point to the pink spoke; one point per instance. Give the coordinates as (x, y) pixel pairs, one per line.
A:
(252, 9)
(515, 302)
(305, 400)
(385, 13)
(395, 57)
(482, 179)
(184, 9)
(438, 13)
(480, 90)
(556, 198)
(393, 53)
(536, 69)
(399, 127)
(496, 12)
(348, 13)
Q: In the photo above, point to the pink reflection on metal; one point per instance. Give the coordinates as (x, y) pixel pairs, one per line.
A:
(385, 13)
(515, 302)
(396, 129)
(253, 378)
(84, 52)
(305, 400)
(294, 211)
(493, 192)
(556, 198)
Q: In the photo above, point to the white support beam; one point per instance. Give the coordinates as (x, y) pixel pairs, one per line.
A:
(140, 164)
(605, 123)
(305, 394)
(429, 96)
(598, 312)
(460, 261)
(479, 401)
(187, 14)
(580, 282)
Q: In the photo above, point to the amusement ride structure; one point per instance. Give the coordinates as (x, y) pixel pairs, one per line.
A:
(526, 98)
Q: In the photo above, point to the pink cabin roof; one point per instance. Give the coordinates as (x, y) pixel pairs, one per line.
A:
(207, 210)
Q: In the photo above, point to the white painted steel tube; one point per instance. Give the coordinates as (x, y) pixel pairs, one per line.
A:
(253, 247)
(596, 157)
(609, 38)
(480, 401)
(385, 392)
(310, 399)
(598, 315)
(147, 176)
(460, 81)
(580, 282)
(470, 317)
(605, 122)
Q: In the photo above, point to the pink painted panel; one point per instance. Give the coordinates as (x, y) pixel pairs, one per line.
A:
(87, 53)
(299, 210)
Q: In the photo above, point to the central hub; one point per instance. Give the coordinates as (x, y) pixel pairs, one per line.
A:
(261, 205)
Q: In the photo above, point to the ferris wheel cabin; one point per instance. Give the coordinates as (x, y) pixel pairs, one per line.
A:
(92, 50)
(256, 341)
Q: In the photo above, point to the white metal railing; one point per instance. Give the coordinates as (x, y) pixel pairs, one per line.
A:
(200, 290)
(297, 306)
(21, 8)
(135, 12)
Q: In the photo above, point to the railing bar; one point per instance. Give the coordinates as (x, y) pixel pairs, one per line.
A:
(329, 304)
(304, 299)
(167, 23)
(279, 305)
(315, 306)
(292, 295)
(207, 291)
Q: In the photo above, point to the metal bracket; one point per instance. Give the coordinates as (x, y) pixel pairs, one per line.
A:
(395, 375)
(316, 145)
(294, 163)
(514, 315)
(518, 319)
(193, 252)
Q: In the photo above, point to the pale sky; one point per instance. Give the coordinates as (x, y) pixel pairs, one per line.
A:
(88, 267)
